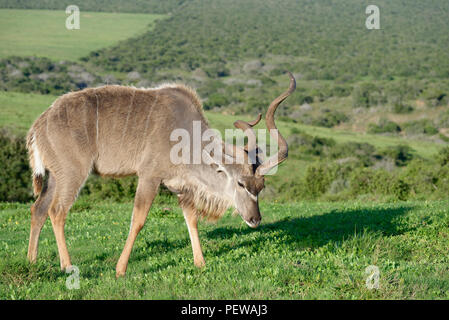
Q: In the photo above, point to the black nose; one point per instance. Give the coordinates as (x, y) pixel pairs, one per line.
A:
(255, 221)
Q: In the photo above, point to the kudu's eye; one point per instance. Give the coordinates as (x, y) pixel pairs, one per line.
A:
(240, 184)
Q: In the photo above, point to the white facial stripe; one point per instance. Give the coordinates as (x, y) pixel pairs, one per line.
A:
(251, 195)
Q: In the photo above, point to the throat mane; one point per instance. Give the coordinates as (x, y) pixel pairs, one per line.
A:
(209, 205)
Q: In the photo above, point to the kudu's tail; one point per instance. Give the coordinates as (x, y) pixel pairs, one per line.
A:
(36, 164)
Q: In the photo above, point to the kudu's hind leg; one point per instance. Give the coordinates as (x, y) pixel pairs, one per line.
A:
(146, 192)
(39, 214)
(191, 217)
(67, 188)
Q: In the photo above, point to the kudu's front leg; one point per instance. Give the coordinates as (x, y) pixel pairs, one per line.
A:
(145, 194)
(191, 217)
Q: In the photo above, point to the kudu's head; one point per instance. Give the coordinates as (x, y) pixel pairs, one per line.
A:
(242, 182)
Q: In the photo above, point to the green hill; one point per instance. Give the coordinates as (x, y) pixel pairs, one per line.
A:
(43, 33)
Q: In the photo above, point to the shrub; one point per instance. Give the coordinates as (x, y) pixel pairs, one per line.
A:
(318, 179)
(400, 189)
(421, 177)
(443, 119)
(436, 96)
(307, 144)
(330, 119)
(443, 156)
(41, 75)
(402, 108)
(15, 174)
(424, 126)
(306, 99)
(364, 152)
(216, 100)
(217, 70)
(378, 182)
(118, 190)
(401, 154)
(367, 95)
(384, 126)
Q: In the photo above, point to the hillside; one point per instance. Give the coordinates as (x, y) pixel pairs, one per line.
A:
(235, 52)
(21, 33)
(324, 40)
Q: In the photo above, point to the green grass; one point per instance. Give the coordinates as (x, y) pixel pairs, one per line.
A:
(301, 251)
(19, 110)
(43, 32)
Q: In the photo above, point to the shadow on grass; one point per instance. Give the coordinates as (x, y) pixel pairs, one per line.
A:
(317, 230)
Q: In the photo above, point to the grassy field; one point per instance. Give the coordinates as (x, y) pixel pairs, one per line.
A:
(19, 110)
(301, 251)
(21, 32)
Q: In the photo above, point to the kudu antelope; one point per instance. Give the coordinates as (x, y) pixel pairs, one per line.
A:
(119, 131)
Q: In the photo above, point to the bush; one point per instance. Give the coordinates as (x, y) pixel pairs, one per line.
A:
(217, 70)
(378, 182)
(401, 108)
(330, 119)
(41, 75)
(384, 126)
(443, 119)
(364, 152)
(118, 190)
(15, 175)
(436, 95)
(216, 100)
(424, 126)
(400, 189)
(310, 145)
(401, 154)
(367, 95)
(421, 177)
(443, 156)
(318, 179)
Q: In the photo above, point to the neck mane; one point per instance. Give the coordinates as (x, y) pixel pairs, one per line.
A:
(209, 205)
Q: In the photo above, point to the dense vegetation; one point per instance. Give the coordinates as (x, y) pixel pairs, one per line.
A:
(326, 40)
(41, 75)
(235, 51)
